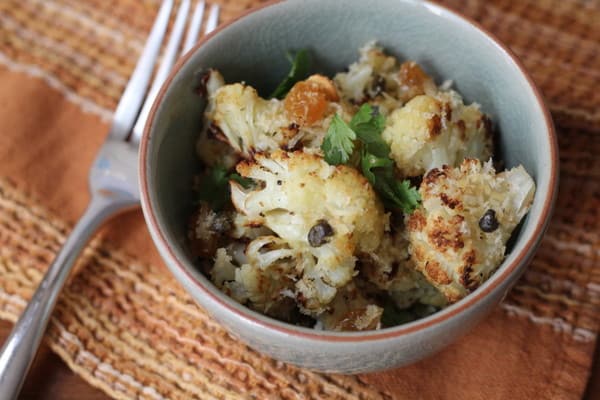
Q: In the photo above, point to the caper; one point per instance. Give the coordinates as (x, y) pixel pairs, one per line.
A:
(488, 223)
(318, 234)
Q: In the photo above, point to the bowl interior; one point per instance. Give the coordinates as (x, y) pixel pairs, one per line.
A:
(253, 50)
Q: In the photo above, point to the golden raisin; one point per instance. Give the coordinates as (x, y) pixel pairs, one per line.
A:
(412, 75)
(306, 103)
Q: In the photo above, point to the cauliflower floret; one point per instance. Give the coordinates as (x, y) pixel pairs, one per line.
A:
(245, 228)
(410, 287)
(264, 280)
(431, 131)
(237, 115)
(209, 148)
(328, 212)
(350, 310)
(248, 122)
(390, 268)
(223, 269)
(458, 236)
(380, 80)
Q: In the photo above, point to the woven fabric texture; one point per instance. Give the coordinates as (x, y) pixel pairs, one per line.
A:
(127, 327)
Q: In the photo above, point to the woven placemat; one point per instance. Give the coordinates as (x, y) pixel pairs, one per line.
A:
(128, 328)
(132, 331)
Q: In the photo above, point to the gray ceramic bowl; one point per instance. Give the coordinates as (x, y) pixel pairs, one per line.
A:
(252, 49)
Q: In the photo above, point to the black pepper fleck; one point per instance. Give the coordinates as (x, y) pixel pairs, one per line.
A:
(488, 223)
(318, 234)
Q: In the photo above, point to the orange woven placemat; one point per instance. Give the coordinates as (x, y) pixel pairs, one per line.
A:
(127, 327)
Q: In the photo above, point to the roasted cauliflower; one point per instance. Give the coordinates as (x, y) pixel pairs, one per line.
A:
(432, 131)
(350, 310)
(290, 218)
(328, 211)
(391, 269)
(265, 278)
(458, 236)
(379, 79)
(237, 115)
(210, 147)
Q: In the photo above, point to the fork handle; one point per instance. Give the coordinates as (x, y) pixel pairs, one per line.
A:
(21, 346)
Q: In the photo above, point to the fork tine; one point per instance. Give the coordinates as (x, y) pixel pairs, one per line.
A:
(132, 97)
(213, 19)
(194, 29)
(163, 70)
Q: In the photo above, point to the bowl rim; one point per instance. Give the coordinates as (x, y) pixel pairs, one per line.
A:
(393, 332)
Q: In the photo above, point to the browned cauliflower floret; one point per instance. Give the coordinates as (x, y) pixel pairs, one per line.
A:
(390, 269)
(350, 310)
(458, 236)
(238, 116)
(329, 212)
(431, 131)
(379, 79)
(248, 122)
(211, 148)
(264, 281)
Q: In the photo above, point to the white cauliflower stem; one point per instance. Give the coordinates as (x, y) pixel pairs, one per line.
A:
(458, 236)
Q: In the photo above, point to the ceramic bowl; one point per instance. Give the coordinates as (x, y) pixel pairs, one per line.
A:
(252, 49)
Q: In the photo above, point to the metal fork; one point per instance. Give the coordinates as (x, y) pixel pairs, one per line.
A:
(113, 185)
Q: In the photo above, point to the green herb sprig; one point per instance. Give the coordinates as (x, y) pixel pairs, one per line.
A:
(299, 71)
(363, 135)
(214, 187)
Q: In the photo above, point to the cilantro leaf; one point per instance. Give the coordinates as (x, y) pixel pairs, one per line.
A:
(370, 161)
(372, 156)
(409, 195)
(339, 142)
(379, 171)
(368, 124)
(299, 71)
(214, 187)
(398, 194)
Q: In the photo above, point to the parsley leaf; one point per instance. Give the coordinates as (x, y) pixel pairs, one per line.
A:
(214, 187)
(373, 154)
(339, 142)
(300, 66)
